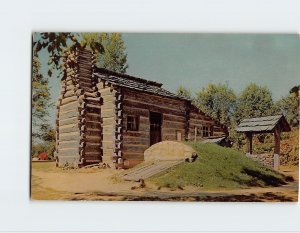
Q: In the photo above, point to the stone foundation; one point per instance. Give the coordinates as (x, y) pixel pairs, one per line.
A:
(265, 159)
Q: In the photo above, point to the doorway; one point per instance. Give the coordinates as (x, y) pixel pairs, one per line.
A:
(155, 127)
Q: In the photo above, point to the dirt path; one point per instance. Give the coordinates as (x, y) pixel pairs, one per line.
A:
(95, 184)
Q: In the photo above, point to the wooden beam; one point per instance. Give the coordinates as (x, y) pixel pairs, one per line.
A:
(277, 141)
(249, 142)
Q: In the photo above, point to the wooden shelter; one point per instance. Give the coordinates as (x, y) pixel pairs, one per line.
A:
(268, 124)
(109, 117)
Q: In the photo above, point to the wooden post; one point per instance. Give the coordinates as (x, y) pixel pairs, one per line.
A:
(249, 144)
(276, 156)
(277, 141)
(195, 134)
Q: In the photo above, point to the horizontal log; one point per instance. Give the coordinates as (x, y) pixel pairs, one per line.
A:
(140, 134)
(69, 136)
(152, 98)
(67, 150)
(132, 155)
(85, 88)
(65, 88)
(84, 71)
(69, 106)
(94, 94)
(136, 140)
(144, 127)
(93, 133)
(96, 154)
(69, 94)
(135, 111)
(154, 108)
(170, 117)
(69, 144)
(86, 65)
(93, 139)
(63, 115)
(92, 117)
(71, 129)
(93, 149)
(84, 84)
(174, 125)
(93, 124)
(171, 130)
(85, 78)
(68, 100)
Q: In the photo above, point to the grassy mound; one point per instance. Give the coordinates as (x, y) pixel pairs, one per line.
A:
(219, 167)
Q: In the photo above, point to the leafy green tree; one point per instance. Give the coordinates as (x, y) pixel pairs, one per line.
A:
(57, 42)
(114, 57)
(184, 92)
(289, 107)
(109, 48)
(254, 101)
(218, 100)
(40, 100)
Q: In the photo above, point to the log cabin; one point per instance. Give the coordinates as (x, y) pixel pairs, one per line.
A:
(112, 118)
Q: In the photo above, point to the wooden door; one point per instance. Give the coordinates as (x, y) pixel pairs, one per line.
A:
(155, 127)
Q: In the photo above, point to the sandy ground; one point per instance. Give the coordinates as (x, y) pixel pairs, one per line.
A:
(50, 183)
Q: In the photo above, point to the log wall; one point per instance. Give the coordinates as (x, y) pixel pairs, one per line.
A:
(140, 104)
(78, 125)
(110, 122)
(197, 121)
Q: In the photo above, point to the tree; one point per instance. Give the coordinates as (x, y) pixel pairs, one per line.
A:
(109, 48)
(289, 107)
(114, 56)
(254, 101)
(56, 43)
(218, 100)
(40, 100)
(184, 92)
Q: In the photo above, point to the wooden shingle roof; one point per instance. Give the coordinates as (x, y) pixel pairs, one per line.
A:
(134, 83)
(263, 124)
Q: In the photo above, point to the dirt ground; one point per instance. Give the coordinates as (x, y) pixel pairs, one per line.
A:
(51, 183)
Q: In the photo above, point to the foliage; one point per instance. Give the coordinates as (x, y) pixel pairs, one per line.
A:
(218, 167)
(184, 92)
(49, 135)
(218, 100)
(56, 43)
(289, 107)
(40, 100)
(108, 47)
(254, 101)
(114, 57)
(48, 147)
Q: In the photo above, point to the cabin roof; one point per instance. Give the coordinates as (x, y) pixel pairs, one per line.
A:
(263, 124)
(134, 83)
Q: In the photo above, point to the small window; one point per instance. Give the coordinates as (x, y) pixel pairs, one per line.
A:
(132, 123)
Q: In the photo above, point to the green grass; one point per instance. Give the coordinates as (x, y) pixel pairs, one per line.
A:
(219, 168)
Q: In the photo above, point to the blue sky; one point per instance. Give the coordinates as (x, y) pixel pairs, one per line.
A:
(195, 60)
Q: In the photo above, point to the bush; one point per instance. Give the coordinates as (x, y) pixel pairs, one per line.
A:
(39, 148)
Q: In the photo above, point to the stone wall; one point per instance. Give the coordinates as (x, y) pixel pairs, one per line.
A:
(265, 159)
